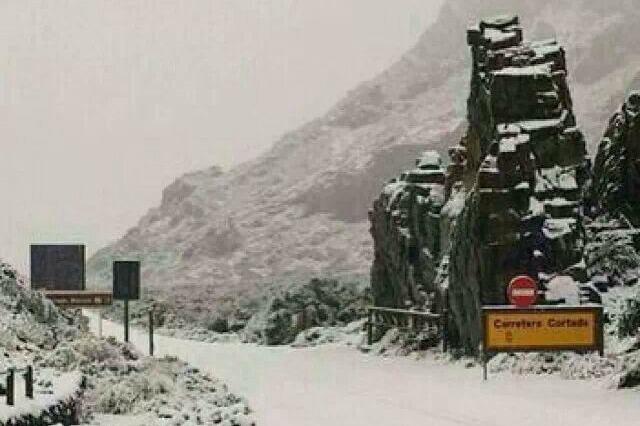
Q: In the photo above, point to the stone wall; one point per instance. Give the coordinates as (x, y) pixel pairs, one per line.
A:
(510, 201)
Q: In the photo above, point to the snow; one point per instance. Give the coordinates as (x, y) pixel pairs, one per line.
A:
(497, 36)
(429, 160)
(531, 126)
(121, 420)
(565, 288)
(535, 70)
(335, 384)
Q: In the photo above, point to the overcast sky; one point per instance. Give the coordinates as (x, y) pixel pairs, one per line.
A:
(104, 103)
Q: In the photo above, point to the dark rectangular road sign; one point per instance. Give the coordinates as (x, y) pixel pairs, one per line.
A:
(126, 280)
(57, 267)
(79, 299)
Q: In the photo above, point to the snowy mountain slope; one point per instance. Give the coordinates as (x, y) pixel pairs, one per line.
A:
(300, 209)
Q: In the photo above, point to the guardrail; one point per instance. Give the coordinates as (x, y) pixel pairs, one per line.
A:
(10, 374)
(408, 320)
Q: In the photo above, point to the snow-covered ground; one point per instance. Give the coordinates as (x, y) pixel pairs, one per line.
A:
(336, 385)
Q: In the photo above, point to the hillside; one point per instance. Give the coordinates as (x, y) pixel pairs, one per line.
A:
(101, 381)
(300, 209)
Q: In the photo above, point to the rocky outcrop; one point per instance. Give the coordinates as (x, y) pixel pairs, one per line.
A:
(616, 182)
(405, 224)
(510, 201)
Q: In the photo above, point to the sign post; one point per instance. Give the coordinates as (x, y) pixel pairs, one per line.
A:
(542, 329)
(126, 320)
(126, 286)
(524, 327)
(151, 331)
(99, 324)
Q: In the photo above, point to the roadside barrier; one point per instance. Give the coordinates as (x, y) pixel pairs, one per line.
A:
(405, 319)
(10, 374)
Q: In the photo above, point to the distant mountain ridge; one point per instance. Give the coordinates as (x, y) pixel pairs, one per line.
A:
(300, 210)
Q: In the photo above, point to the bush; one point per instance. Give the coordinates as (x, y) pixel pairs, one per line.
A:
(318, 303)
(629, 318)
(218, 325)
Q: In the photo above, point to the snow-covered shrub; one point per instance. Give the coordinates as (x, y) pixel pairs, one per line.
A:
(628, 318)
(218, 325)
(611, 253)
(152, 379)
(319, 303)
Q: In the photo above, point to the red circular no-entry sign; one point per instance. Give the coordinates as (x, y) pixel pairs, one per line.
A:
(522, 291)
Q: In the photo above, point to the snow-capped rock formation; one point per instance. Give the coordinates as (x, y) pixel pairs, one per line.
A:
(519, 169)
(300, 210)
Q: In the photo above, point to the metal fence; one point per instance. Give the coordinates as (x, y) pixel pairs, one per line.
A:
(405, 319)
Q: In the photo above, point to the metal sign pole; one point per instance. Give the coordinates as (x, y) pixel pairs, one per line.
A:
(151, 332)
(370, 328)
(99, 323)
(126, 320)
(484, 366)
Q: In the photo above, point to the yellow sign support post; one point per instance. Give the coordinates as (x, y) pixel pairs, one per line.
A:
(541, 329)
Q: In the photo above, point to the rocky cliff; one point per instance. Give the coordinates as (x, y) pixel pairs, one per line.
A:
(510, 200)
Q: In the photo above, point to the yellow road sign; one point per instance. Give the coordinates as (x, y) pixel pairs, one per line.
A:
(542, 328)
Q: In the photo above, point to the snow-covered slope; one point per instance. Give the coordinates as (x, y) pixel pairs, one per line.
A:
(118, 380)
(301, 208)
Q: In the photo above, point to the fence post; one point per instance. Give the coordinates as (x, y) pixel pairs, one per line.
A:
(151, 331)
(28, 382)
(370, 328)
(10, 386)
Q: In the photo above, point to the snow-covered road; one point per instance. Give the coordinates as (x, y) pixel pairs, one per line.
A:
(336, 385)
